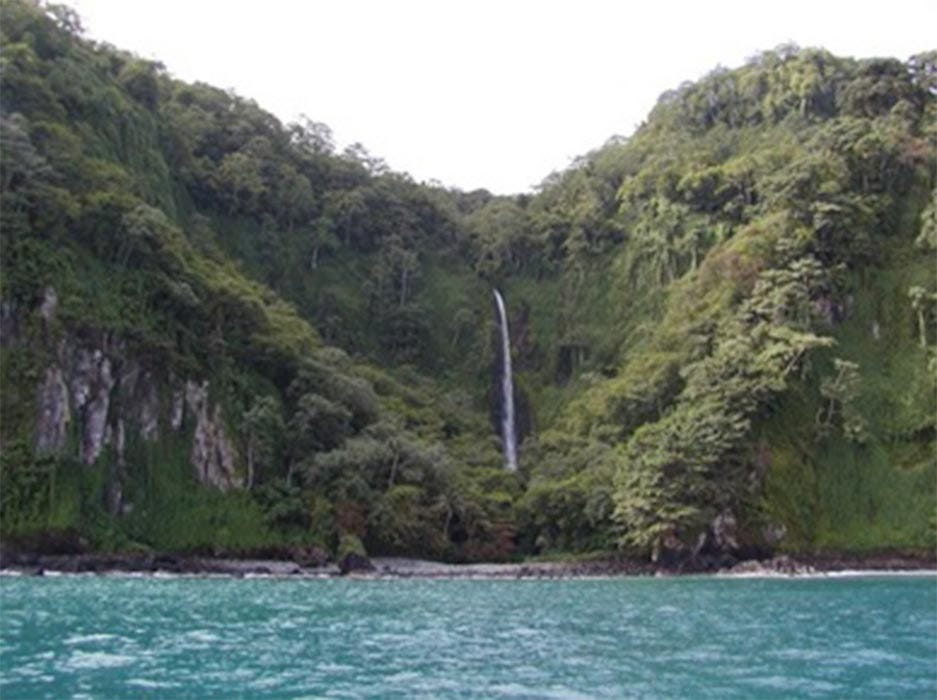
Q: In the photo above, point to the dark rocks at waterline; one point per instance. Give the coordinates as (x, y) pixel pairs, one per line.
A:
(354, 563)
(872, 561)
(37, 564)
(797, 565)
(76, 563)
(720, 547)
(313, 563)
(704, 559)
(676, 562)
(310, 557)
(395, 567)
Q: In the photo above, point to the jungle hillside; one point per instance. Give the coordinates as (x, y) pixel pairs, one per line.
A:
(222, 335)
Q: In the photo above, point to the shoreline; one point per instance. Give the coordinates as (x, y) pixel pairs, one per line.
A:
(395, 568)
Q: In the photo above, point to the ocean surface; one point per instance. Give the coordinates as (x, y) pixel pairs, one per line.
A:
(694, 637)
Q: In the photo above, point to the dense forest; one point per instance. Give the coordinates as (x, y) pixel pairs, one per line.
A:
(221, 335)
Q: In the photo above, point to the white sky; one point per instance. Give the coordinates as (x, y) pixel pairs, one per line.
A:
(484, 93)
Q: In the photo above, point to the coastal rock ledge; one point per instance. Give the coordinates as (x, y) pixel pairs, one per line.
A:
(782, 565)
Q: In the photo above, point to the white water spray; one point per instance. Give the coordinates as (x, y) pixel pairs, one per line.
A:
(508, 435)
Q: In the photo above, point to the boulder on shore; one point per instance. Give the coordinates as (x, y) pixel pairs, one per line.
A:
(355, 563)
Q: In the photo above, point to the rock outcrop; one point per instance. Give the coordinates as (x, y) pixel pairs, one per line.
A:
(54, 413)
(213, 454)
(354, 563)
(780, 565)
(94, 395)
(91, 380)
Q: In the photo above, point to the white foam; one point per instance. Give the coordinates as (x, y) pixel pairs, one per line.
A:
(98, 659)
(880, 572)
(846, 573)
(202, 636)
(150, 684)
(87, 638)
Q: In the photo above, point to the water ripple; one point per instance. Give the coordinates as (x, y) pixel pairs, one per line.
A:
(693, 637)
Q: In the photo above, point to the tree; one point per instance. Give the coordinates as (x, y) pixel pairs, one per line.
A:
(878, 85)
(21, 165)
(676, 474)
(25, 175)
(146, 230)
(357, 153)
(322, 239)
(346, 211)
(841, 392)
(927, 238)
(920, 301)
(263, 428)
(318, 424)
(312, 136)
(396, 270)
(294, 198)
(139, 79)
(669, 237)
(497, 231)
(402, 521)
(240, 181)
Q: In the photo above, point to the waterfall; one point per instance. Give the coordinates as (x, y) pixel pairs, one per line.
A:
(508, 436)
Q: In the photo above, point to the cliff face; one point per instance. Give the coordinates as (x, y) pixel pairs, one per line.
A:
(213, 454)
(93, 397)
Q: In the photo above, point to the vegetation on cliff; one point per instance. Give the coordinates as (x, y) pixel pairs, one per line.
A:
(724, 325)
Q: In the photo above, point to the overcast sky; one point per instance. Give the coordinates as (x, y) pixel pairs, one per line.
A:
(484, 93)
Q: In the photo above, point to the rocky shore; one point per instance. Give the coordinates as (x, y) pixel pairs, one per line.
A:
(397, 567)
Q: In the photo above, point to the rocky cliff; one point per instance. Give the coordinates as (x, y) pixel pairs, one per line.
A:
(93, 396)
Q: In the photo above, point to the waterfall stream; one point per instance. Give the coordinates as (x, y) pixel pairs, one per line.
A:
(508, 435)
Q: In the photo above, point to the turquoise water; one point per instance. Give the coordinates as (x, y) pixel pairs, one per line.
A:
(112, 637)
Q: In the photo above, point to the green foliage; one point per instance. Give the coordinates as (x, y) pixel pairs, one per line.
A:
(405, 521)
(840, 392)
(927, 238)
(263, 427)
(28, 489)
(568, 504)
(672, 298)
(139, 79)
(318, 423)
(349, 544)
(283, 506)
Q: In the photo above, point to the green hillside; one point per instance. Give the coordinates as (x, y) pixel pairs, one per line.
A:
(221, 335)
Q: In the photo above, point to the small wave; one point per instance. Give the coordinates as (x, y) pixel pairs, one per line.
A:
(803, 655)
(518, 690)
(788, 684)
(874, 657)
(846, 573)
(331, 667)
(168, 575)
(88, 638)
(151, 684)
(403, 677)
(202, 636)
(87, 660)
